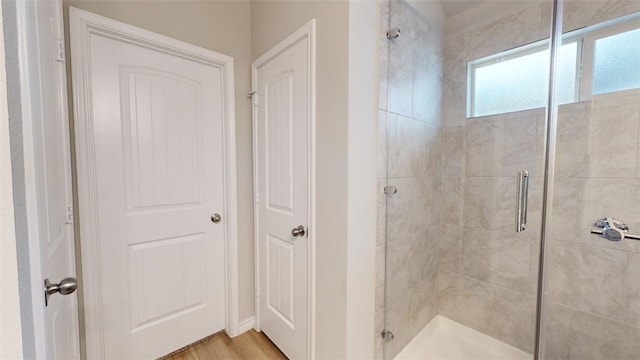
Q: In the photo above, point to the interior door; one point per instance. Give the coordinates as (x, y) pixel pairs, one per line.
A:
(282, 90)
(52, 176)
(158, 135)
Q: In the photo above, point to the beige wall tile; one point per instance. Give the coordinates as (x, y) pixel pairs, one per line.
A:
(416, 206)
(581, 13)
(501, 147)
(564, 222)
(633, 291)
(509, 32)
(428, 75)
(400, 80)
(450, 248)
(496, 257)
(588, 279)
(476, 253)
(454, 151)
(381, 217)
(383, 60)
(489, 202)
(465, 300)
(514, 316)
(378, 352)
(557, 331)
(415, 148)
(614, 157)
(453, 201)
(593, 337)
(380, 268)
(382, 144)
(572, 145)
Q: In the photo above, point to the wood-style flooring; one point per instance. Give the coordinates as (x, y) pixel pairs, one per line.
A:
(248, 346)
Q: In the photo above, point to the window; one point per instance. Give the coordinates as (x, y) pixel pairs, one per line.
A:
(596, 60)
(616, 62)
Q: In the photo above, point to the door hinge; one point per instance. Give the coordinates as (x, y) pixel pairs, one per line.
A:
(59, 51)
(68, 217)
(254, 98)
(257, 198)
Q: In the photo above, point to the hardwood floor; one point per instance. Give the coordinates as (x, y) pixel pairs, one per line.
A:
(248, 346)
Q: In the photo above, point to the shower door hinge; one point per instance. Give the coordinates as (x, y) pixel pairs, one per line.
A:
(386, 335)
(393, 33)
(390, 190)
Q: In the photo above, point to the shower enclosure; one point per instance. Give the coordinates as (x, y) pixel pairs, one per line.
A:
(488, 181)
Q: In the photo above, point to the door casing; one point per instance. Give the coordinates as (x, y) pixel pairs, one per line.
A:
(82, 25)
(29, 59)
(307, 31)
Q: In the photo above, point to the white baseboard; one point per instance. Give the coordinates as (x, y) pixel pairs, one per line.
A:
(246, 325)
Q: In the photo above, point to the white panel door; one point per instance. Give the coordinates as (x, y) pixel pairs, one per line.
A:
(53, 180)
(158, 136)
(282, 89)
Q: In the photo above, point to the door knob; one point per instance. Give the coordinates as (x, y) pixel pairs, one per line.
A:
(215, 218)
(298, 231)
(65, 287)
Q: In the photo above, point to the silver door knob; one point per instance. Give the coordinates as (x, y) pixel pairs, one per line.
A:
(298, 231)
(215, 218)
(65, 287)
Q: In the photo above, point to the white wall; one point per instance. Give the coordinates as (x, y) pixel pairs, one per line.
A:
(364, 35)
(11, 331)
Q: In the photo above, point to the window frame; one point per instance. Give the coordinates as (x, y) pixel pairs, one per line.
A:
(589, 39)
(585, 39)
(492, 59)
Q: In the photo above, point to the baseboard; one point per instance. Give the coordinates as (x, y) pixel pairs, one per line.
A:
(246, 325)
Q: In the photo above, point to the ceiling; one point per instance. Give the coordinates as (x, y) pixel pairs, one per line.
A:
(454, 7)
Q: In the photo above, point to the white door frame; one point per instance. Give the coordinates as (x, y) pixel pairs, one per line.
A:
(83, 24)
(307, 31)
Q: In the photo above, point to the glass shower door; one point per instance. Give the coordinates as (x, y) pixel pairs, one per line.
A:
(592, 302)
(462, 113)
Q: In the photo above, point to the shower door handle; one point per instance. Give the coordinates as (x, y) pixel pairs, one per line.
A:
(521, 200)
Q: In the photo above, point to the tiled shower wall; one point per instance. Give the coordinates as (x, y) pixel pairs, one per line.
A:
(594, 285)
(488, 273)
(454, 214)
(411, 137)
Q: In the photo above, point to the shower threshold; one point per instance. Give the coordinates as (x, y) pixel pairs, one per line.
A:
(443, 338)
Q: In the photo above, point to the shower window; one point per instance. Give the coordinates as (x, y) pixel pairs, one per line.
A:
(592, 61)
(616, 60)
(517, 79)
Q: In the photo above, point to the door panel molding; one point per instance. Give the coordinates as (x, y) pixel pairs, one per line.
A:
(306, 32)
(83, 25)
